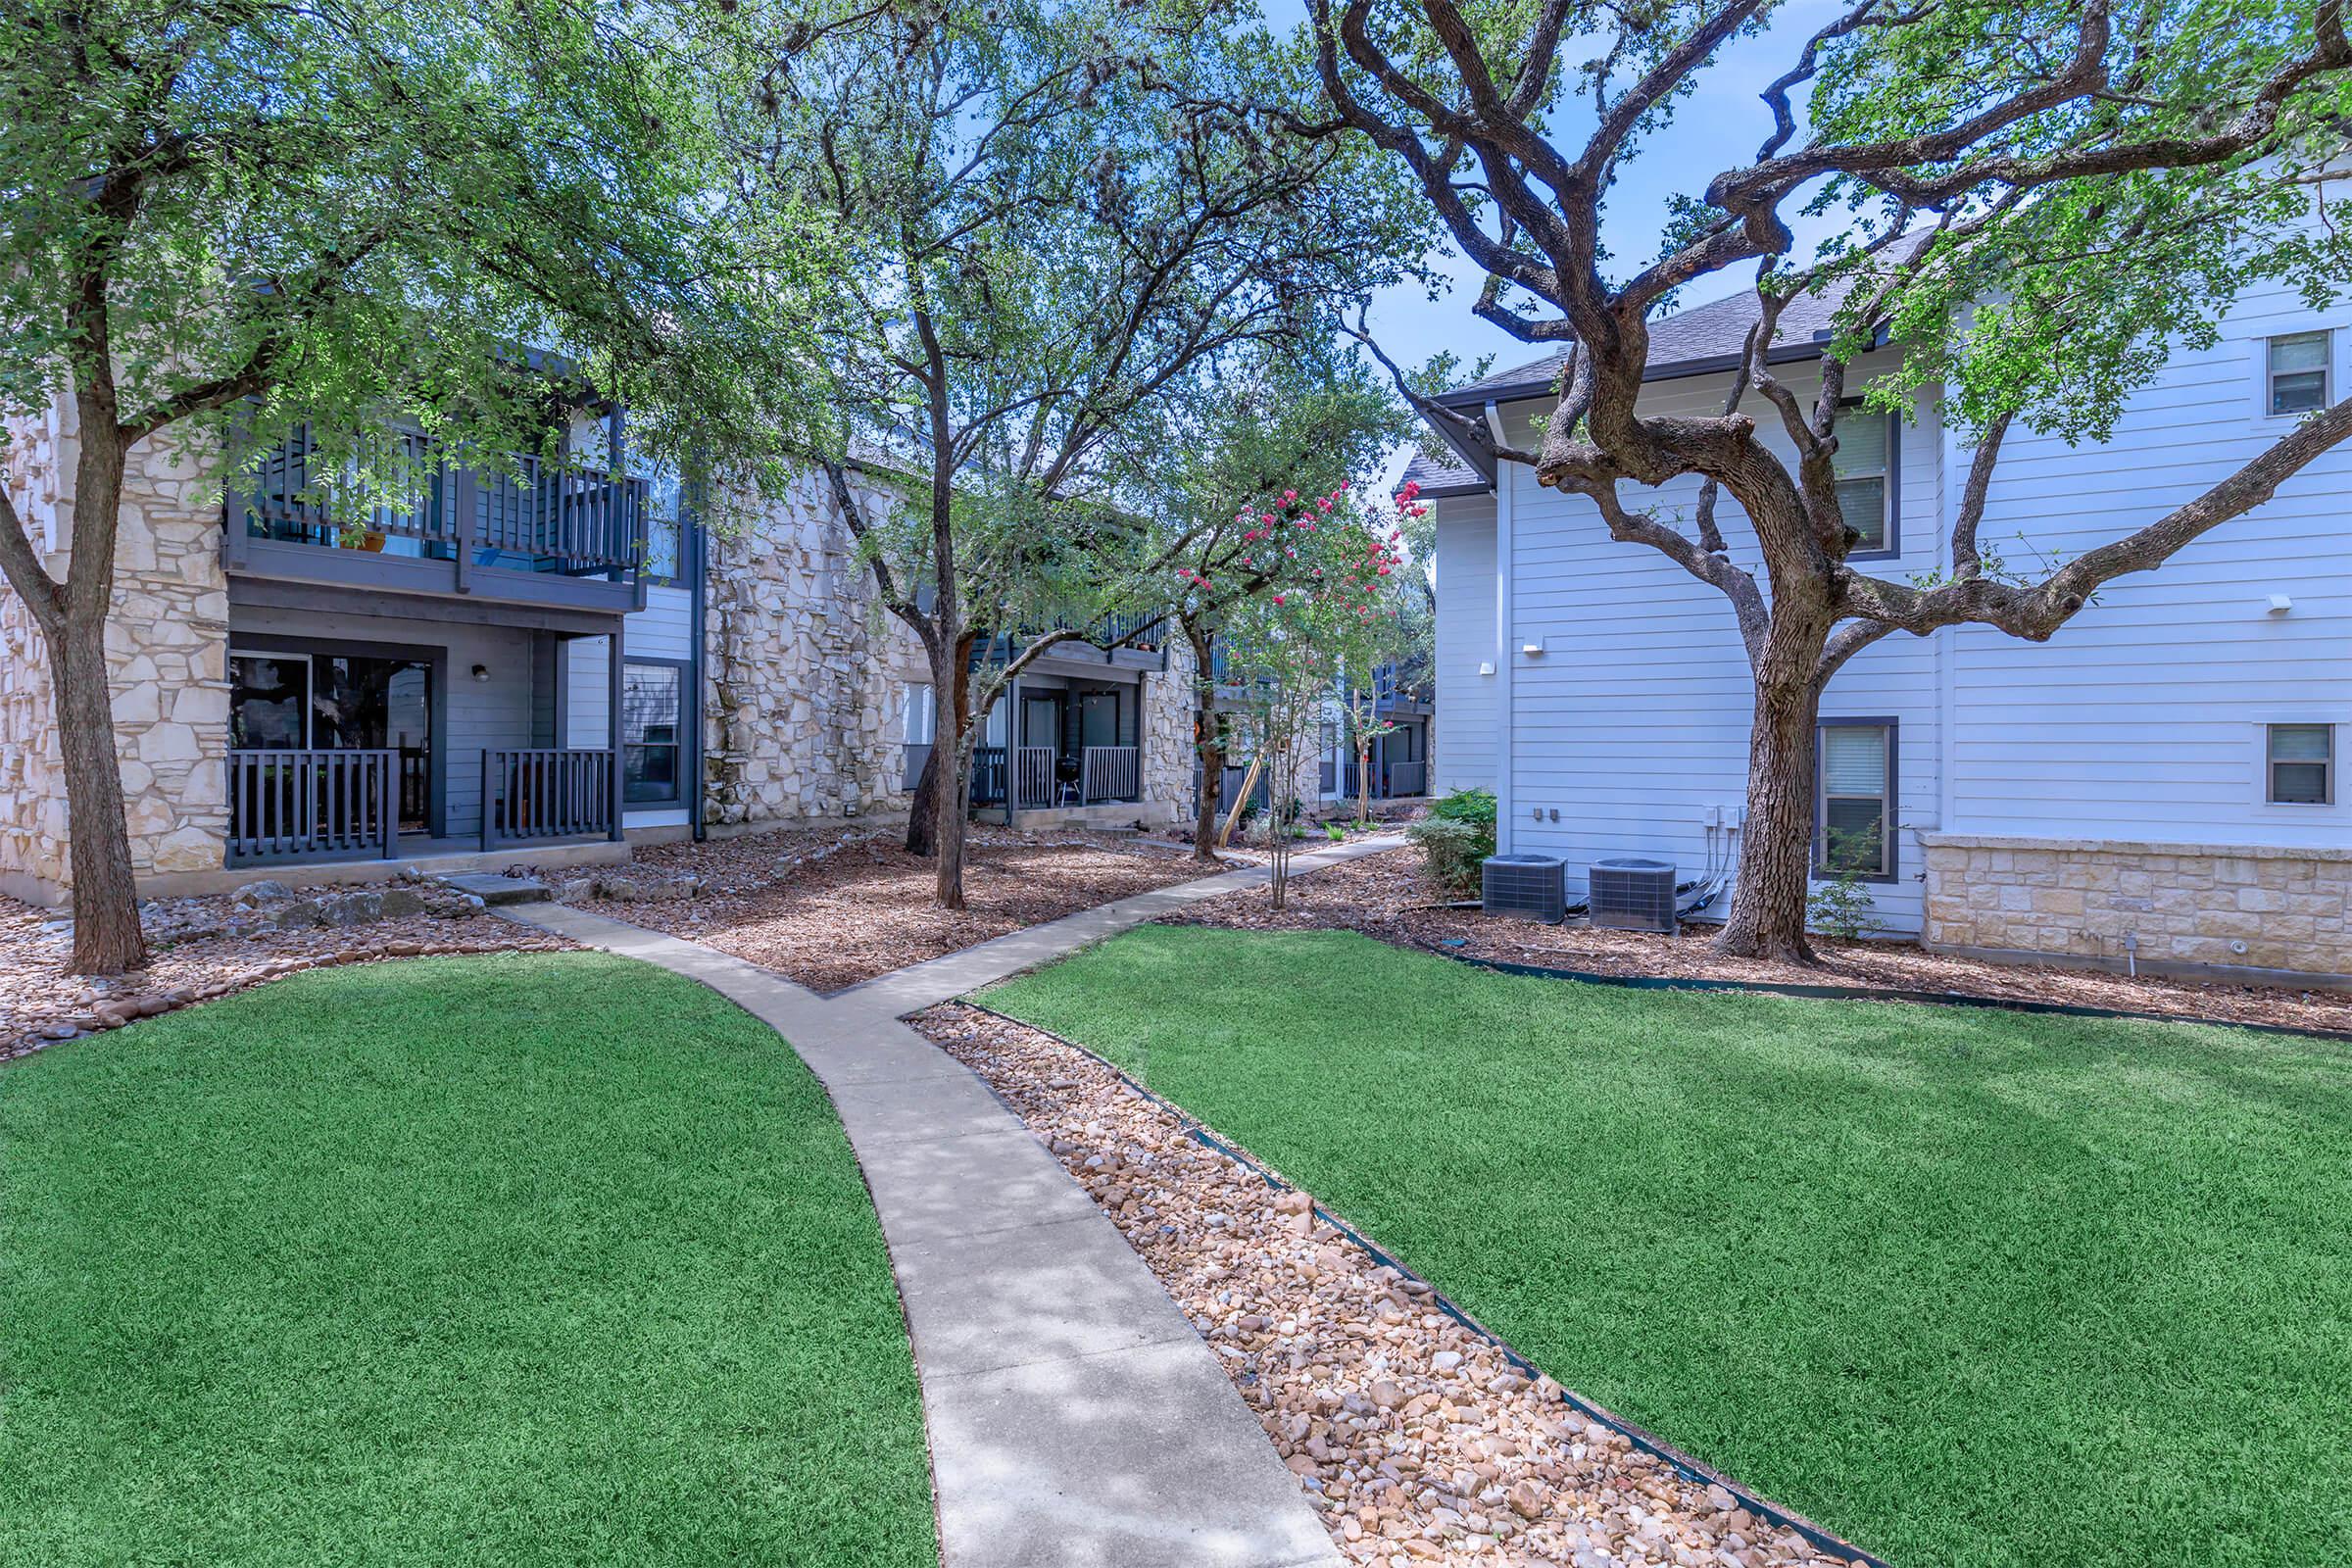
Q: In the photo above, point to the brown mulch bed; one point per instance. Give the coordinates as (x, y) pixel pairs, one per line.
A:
(1383, 895)
(201, 948)
(854, 907)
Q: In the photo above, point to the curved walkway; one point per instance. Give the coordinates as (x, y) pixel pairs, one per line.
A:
(1076, 1417)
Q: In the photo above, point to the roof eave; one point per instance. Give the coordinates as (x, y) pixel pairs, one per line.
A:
(1471, 397)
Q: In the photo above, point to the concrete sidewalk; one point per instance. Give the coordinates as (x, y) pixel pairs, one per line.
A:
(1077, 1420)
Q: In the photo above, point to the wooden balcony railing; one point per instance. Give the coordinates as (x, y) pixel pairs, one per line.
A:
(308, 803)
(522, 513)
(546, 792)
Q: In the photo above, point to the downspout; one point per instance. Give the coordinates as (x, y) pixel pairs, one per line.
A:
(1505, 816)
(698, 803)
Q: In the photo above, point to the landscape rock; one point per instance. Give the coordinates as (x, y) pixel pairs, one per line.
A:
(1413, 1436)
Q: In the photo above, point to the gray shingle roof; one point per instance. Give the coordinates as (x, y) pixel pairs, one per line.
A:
(1439, 472)
(1692, 342)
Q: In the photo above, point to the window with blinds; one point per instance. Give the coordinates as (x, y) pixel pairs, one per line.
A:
(2298, 373)
(1864, 441)
(651, 712)
(2302, 765)
(1854, 820)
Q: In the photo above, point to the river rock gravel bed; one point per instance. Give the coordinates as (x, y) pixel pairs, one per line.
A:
(203, 948)
(1415, 1437)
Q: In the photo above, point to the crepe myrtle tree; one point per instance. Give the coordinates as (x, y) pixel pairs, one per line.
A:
(2032, 200)
(1293, 648)
(1390, 648)
(1297, 422)
(227, 220)
(1057, 224)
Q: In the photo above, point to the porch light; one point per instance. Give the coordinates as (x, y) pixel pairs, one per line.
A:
(482, 672)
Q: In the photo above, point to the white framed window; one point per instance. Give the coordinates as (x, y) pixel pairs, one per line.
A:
(1865, 465)
(2299, 764)
(2296, 378)
(1853, 814)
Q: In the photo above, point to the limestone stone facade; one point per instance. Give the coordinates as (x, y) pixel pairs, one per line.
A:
(802, 706)
(2195, 906)
(168, 650)
(1167, 733)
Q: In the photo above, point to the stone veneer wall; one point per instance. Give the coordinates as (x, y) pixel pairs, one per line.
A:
(2202, 905)
(1167, 733)
(166, 645)
(801, 716)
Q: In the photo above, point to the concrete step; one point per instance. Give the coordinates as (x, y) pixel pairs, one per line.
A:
(491, 888)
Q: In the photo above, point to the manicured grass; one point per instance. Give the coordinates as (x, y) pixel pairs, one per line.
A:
(555, 1260)
(1970, 1288)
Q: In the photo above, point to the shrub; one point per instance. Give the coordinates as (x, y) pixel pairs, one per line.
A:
(1841, 908)
(1451, 850)
(1476, 808)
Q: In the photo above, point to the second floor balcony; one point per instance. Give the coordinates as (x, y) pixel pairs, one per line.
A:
(519, 530)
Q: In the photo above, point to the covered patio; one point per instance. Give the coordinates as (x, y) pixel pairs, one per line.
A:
(374, 738)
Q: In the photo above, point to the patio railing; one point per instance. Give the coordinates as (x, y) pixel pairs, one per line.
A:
(1110, 773)
(303, 803)
(523, 512)
(546, 792)
(1408, 778)
(1032, 777)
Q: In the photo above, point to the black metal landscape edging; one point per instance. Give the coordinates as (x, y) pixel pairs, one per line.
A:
(1828, 993)
(1690, 1469)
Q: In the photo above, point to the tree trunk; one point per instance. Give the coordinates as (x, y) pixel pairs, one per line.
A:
(1209, 744)
(922, 811)
(1775, 844)
(950, 799)
(1363, 783)
(106, 905)
(947, 722)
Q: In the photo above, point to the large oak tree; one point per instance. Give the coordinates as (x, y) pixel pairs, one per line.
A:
(2034, 199)
(227, 218)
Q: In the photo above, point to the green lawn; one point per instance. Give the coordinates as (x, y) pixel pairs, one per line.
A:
(555, 1260)
(1971, 1288)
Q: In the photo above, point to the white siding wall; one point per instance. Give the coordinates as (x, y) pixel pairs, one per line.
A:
(1632, 721)
(2142, 718)
(1465, 640)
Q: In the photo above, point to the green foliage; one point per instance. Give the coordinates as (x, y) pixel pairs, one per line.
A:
(1072, 269)
(267, 215)
(2013, 1291)
(1451, 853)
(1477, 807)
(1841, 908)
(1456, 838)
(345, 1269)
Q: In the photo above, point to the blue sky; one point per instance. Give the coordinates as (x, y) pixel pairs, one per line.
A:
(1719, 128)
